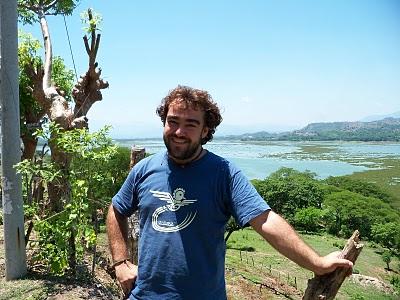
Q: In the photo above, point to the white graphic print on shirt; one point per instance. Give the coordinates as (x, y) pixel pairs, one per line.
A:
(174, 203)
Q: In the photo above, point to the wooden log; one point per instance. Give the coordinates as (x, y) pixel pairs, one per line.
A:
(325, 287)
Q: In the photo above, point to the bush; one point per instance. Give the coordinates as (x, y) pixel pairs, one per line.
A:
(388, 235)
(366, 189)
(308, 219)
(395, 281)
(288, 190)
(351, 211)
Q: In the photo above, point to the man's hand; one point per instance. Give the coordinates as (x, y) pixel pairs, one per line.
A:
(330, 262)
(126, 274)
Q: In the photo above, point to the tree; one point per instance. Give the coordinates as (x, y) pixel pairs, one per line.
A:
(231, 226)
(351, 211)
(61, 238)
(31, 113)
(288, 190)
(308, 219)
(388, 235)
(387, 258)
(364, 188)
(50, 99)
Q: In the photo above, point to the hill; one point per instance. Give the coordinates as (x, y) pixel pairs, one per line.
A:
(387, 129)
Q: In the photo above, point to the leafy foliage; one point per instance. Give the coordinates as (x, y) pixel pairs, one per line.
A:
(28, 56)
(231, 227)
(66, 234)
(29, 11)
(353, 211)
(358, 186)
(388, 235)
(92, 23)
(338, 205)
(387, 258)
(288, 190)
(309, 219)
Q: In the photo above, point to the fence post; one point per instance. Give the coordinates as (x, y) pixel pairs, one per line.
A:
(137, 154)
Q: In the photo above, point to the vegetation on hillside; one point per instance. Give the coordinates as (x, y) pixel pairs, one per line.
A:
(336, 205)
(383, 130)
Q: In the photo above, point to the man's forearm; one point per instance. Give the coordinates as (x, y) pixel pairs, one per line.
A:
(117, 231)
(284, 239)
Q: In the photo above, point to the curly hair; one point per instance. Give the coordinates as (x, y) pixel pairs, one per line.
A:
(196, 99)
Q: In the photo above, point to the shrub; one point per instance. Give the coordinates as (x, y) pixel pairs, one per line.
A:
(308, 219)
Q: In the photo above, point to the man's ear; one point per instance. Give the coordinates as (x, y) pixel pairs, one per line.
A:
(204, 132)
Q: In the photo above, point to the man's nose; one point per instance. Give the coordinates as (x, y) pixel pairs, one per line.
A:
(180, 131)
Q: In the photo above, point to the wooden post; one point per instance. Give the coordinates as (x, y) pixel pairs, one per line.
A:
(137, 153)
(325, 287)
(14, 241)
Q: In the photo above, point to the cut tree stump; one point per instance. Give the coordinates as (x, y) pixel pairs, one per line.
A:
(325, 287)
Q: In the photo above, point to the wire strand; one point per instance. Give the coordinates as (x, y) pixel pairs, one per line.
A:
(70, 48)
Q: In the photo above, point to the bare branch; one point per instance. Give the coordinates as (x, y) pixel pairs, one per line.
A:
(85, 40)
(50, 6)
(48, 53)
(325, 287)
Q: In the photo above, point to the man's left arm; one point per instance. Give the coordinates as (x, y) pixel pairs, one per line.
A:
(274, 229)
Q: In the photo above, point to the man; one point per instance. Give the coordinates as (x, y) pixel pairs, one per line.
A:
(185, 196)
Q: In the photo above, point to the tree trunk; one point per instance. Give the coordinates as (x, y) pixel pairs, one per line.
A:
(30, 144)
(228, 235)
(325, 287)
(59, 190)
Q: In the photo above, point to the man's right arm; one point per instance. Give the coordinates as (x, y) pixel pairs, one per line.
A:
(117, 231)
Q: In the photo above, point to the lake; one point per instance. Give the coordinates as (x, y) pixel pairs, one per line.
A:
(260, 159)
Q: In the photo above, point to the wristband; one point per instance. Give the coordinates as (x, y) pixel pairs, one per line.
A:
(118, 262)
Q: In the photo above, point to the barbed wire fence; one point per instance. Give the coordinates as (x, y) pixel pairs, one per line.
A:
(279, 282)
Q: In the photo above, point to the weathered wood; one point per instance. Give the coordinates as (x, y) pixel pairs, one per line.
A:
(137, 153)
(325, 287)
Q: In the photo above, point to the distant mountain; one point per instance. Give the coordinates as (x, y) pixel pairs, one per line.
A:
(380, 117)
(387, 129)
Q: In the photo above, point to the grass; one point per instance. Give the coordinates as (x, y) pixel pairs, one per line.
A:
(264, 261)
(387, 177)
(23, 289)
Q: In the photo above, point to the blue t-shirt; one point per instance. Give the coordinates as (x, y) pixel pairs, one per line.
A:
(183, 212)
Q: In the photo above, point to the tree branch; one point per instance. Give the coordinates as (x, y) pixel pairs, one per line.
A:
(88, 89)
(48, 52)
(325, 287)
(50, 6)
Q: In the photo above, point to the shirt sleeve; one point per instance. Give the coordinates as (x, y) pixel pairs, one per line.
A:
(246, 202)
(125, 201)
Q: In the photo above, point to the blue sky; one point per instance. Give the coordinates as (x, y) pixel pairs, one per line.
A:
(270, 65)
